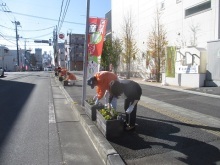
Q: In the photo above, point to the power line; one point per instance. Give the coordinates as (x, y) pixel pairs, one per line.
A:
(64, 15)
(6, 39)
(6, 27)
(60, 13)
(38, 29)
(40, 36)
(43, 18)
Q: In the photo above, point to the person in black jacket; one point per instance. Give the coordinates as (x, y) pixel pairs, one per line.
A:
(131, 91)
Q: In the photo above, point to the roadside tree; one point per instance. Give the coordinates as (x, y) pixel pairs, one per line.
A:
(130, 50)
(111, 54)
(156, 44)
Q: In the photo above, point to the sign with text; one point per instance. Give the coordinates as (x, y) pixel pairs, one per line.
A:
(97, 30)
(187, 69)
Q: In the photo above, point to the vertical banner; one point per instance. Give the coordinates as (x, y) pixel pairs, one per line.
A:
(97, 30)
(170, 61)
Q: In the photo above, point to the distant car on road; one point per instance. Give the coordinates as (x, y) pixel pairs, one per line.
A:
(1, 72)
(49, 68)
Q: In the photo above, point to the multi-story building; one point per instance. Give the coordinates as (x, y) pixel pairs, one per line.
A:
(74, 51)
(109, 25)
(9, 59)
(61, 55)
(38, 56)
(47, 60)
(3, 53)
(187, 24)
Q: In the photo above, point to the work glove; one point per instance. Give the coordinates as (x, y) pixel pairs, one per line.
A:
(130, 109)
(96, 101)
(95, 98)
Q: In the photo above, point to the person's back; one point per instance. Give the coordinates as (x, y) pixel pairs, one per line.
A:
(71, 76)
(132, 90)
(103, 80)
(63, 71)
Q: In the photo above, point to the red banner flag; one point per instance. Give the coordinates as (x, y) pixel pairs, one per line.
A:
(97, 30)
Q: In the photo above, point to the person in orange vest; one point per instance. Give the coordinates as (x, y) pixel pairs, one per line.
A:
(102, 80)
(63, 72)
(57, 70)
(71, 78)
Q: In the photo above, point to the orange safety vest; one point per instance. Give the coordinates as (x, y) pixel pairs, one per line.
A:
(63, 72)
(71, 77)
(104, 78)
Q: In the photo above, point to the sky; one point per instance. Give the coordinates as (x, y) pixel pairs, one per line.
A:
(39, 18)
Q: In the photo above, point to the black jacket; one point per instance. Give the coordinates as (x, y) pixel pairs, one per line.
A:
(132, 89)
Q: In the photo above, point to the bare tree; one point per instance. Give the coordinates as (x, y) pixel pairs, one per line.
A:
(194, 29)
(157, 43)
(130, 49)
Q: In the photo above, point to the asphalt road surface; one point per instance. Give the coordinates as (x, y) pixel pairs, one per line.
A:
(173, 127)
(30, 134)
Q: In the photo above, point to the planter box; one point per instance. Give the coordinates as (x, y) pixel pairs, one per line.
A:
(60, 78)
(109, 128)
(65, 83)
(91, 110)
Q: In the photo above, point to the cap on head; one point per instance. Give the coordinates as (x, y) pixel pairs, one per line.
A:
(91, 82)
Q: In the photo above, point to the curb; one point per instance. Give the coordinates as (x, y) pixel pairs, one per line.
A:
(107, 153)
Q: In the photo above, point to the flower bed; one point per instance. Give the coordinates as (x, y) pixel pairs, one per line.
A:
(108, 123)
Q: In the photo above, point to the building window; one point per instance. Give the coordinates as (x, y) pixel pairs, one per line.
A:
(5, 50)
(198, 9)
(178, 1)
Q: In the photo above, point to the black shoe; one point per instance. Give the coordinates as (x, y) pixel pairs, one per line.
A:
(130, 128)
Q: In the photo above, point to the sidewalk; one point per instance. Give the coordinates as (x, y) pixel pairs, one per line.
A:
(205, 91)
(81, 141)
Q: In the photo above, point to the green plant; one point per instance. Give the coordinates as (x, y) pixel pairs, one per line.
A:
(90, 101)
(109, 114)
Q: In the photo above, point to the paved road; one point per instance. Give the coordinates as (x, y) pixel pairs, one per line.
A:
(37, 124)
(173, 127)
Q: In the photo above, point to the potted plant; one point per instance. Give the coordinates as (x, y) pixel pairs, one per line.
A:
(109, 122)
(91, 108)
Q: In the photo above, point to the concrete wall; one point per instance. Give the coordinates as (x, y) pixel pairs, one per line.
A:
(185, 80)
(213, 67)
(178, 27)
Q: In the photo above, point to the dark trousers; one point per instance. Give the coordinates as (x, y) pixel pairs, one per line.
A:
(130, 118)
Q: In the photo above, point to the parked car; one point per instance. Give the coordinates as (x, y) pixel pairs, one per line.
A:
(49, 68)
(1, 72)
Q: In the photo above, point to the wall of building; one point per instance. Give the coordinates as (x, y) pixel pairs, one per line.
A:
(74, 50)
(177, 25)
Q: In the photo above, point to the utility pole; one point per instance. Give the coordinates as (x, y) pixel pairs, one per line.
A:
(85, 61)
(55, 41)
(16, 30)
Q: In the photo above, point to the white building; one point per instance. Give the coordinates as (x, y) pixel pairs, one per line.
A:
(187, 23)
(9, 59)
(3, 53)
